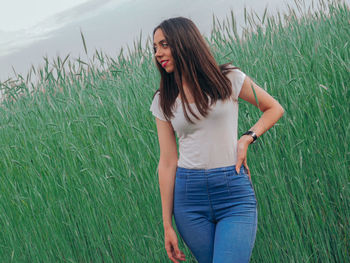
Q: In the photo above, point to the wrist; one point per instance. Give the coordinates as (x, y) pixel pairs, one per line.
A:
(247, 139)
(167, 227)
(252, 136)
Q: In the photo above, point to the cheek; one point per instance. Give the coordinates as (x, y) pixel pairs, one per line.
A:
(169, 54)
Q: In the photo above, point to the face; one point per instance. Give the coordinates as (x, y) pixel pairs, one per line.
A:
(162, 51)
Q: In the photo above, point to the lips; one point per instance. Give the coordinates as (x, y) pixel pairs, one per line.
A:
(164, 63)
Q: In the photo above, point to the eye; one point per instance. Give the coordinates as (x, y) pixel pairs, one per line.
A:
(164, 45)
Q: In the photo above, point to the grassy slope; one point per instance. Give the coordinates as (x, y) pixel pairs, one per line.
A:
(78, 162)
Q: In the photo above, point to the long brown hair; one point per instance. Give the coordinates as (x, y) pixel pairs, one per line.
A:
(194, 61)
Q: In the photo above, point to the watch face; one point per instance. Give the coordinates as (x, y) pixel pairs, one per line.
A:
(251, 133)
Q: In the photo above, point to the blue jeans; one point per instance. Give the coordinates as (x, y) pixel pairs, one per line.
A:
(215, 212)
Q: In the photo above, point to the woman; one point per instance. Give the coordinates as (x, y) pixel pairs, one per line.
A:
(207, 189)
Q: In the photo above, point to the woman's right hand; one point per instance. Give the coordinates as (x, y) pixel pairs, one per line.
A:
(172, 247)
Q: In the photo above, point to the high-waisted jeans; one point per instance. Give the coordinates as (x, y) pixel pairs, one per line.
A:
(215, 212)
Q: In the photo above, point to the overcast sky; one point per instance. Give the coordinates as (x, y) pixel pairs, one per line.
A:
(32, 29)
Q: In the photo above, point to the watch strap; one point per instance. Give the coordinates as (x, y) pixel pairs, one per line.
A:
(251, 133)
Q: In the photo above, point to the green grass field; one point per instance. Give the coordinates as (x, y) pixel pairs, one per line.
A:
(79, 149)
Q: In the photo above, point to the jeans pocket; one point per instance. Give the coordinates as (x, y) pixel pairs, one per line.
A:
(250, 181)
(243, 173)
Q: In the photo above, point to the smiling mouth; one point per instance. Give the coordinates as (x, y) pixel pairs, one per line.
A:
(164, 63)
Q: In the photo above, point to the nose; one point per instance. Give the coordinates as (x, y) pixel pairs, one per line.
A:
(158, 53)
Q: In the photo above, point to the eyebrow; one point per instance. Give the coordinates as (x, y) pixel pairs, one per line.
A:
(163, 40)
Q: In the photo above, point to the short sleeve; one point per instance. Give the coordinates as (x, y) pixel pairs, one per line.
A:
(237, 78)
(156, 109)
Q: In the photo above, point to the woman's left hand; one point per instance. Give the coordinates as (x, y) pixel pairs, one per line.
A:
(242, 147)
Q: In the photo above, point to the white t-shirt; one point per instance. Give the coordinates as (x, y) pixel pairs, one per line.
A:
(212, 141)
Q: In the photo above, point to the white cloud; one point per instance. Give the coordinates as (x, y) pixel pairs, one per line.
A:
(16, 15)
(12, 41)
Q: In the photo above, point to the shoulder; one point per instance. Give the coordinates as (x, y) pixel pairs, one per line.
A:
(236, 77)
(233, 72)
(156, 96)
(155, 106)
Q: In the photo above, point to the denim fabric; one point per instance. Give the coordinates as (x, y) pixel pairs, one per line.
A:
(215, 212)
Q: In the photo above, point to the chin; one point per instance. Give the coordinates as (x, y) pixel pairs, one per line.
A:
(169, 70)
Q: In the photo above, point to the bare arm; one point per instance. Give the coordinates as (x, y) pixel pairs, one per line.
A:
(167, 172)
(272, 110)
(167, 169)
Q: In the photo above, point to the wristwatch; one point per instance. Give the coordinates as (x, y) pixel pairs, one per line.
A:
(252, 134)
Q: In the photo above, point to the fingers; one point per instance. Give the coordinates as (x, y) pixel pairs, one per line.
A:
(238, 166)
(171, 256)
(241, 155)
(169, 251)
(175, 253)
(246, 166)
(179, 254)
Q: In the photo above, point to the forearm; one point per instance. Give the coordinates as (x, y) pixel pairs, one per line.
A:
(266, 121)
(166, 184)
